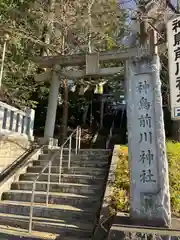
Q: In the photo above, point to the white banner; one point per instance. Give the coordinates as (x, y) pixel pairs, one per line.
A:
(173, 36)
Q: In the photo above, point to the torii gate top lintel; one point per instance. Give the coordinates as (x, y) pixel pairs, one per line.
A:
(80, 59)
(91, 61)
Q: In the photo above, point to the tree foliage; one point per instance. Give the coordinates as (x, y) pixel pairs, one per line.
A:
(16, 20)
(29, 22)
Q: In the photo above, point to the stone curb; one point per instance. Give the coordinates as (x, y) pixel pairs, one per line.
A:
(100, 232)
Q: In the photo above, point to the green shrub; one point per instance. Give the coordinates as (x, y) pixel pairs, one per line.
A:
(121, 185)
(173, 154)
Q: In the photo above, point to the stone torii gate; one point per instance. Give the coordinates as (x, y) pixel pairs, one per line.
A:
(58, 65)
(149, 184)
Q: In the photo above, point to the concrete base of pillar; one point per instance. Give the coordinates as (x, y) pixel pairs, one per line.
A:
(50, 142)
(124, 228)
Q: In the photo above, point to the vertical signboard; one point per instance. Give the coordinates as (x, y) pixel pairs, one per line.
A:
(173, 36)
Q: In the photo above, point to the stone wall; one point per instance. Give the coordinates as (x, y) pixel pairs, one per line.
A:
(11, 147)
(15, 121)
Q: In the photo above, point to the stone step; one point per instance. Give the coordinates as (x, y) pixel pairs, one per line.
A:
(83, 189)
(47, 156)
(71, 178)
(81, 224)
(11, 233)
(65, 213)
(64, 229)
(87, 152)
(14, 233)
(75, 200)
(23, 235)
(101, 164)
(74, 157)
(73, 170)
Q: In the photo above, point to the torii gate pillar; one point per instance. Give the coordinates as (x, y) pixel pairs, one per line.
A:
(52, 107)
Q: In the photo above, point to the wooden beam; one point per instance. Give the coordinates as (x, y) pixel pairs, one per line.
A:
(77, 74)
(80, 59)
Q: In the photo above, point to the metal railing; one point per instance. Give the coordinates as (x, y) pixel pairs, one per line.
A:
(77, 133)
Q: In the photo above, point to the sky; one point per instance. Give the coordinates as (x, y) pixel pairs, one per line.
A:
(128, 4)
(174, 2)
(131, 4)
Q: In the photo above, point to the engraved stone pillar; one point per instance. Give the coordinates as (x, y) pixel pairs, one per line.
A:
(149, 183)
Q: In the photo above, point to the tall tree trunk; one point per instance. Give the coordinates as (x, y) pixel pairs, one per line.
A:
(48, 28)
(102, 100)
(176, 131)
(47, 31)
(65, 111)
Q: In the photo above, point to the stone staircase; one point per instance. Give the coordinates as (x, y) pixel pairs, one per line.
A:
(74, 204)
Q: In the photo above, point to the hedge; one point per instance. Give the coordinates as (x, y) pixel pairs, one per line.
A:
(121, 185)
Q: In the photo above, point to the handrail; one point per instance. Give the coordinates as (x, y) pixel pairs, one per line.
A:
(14, 164)
(49, 165)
